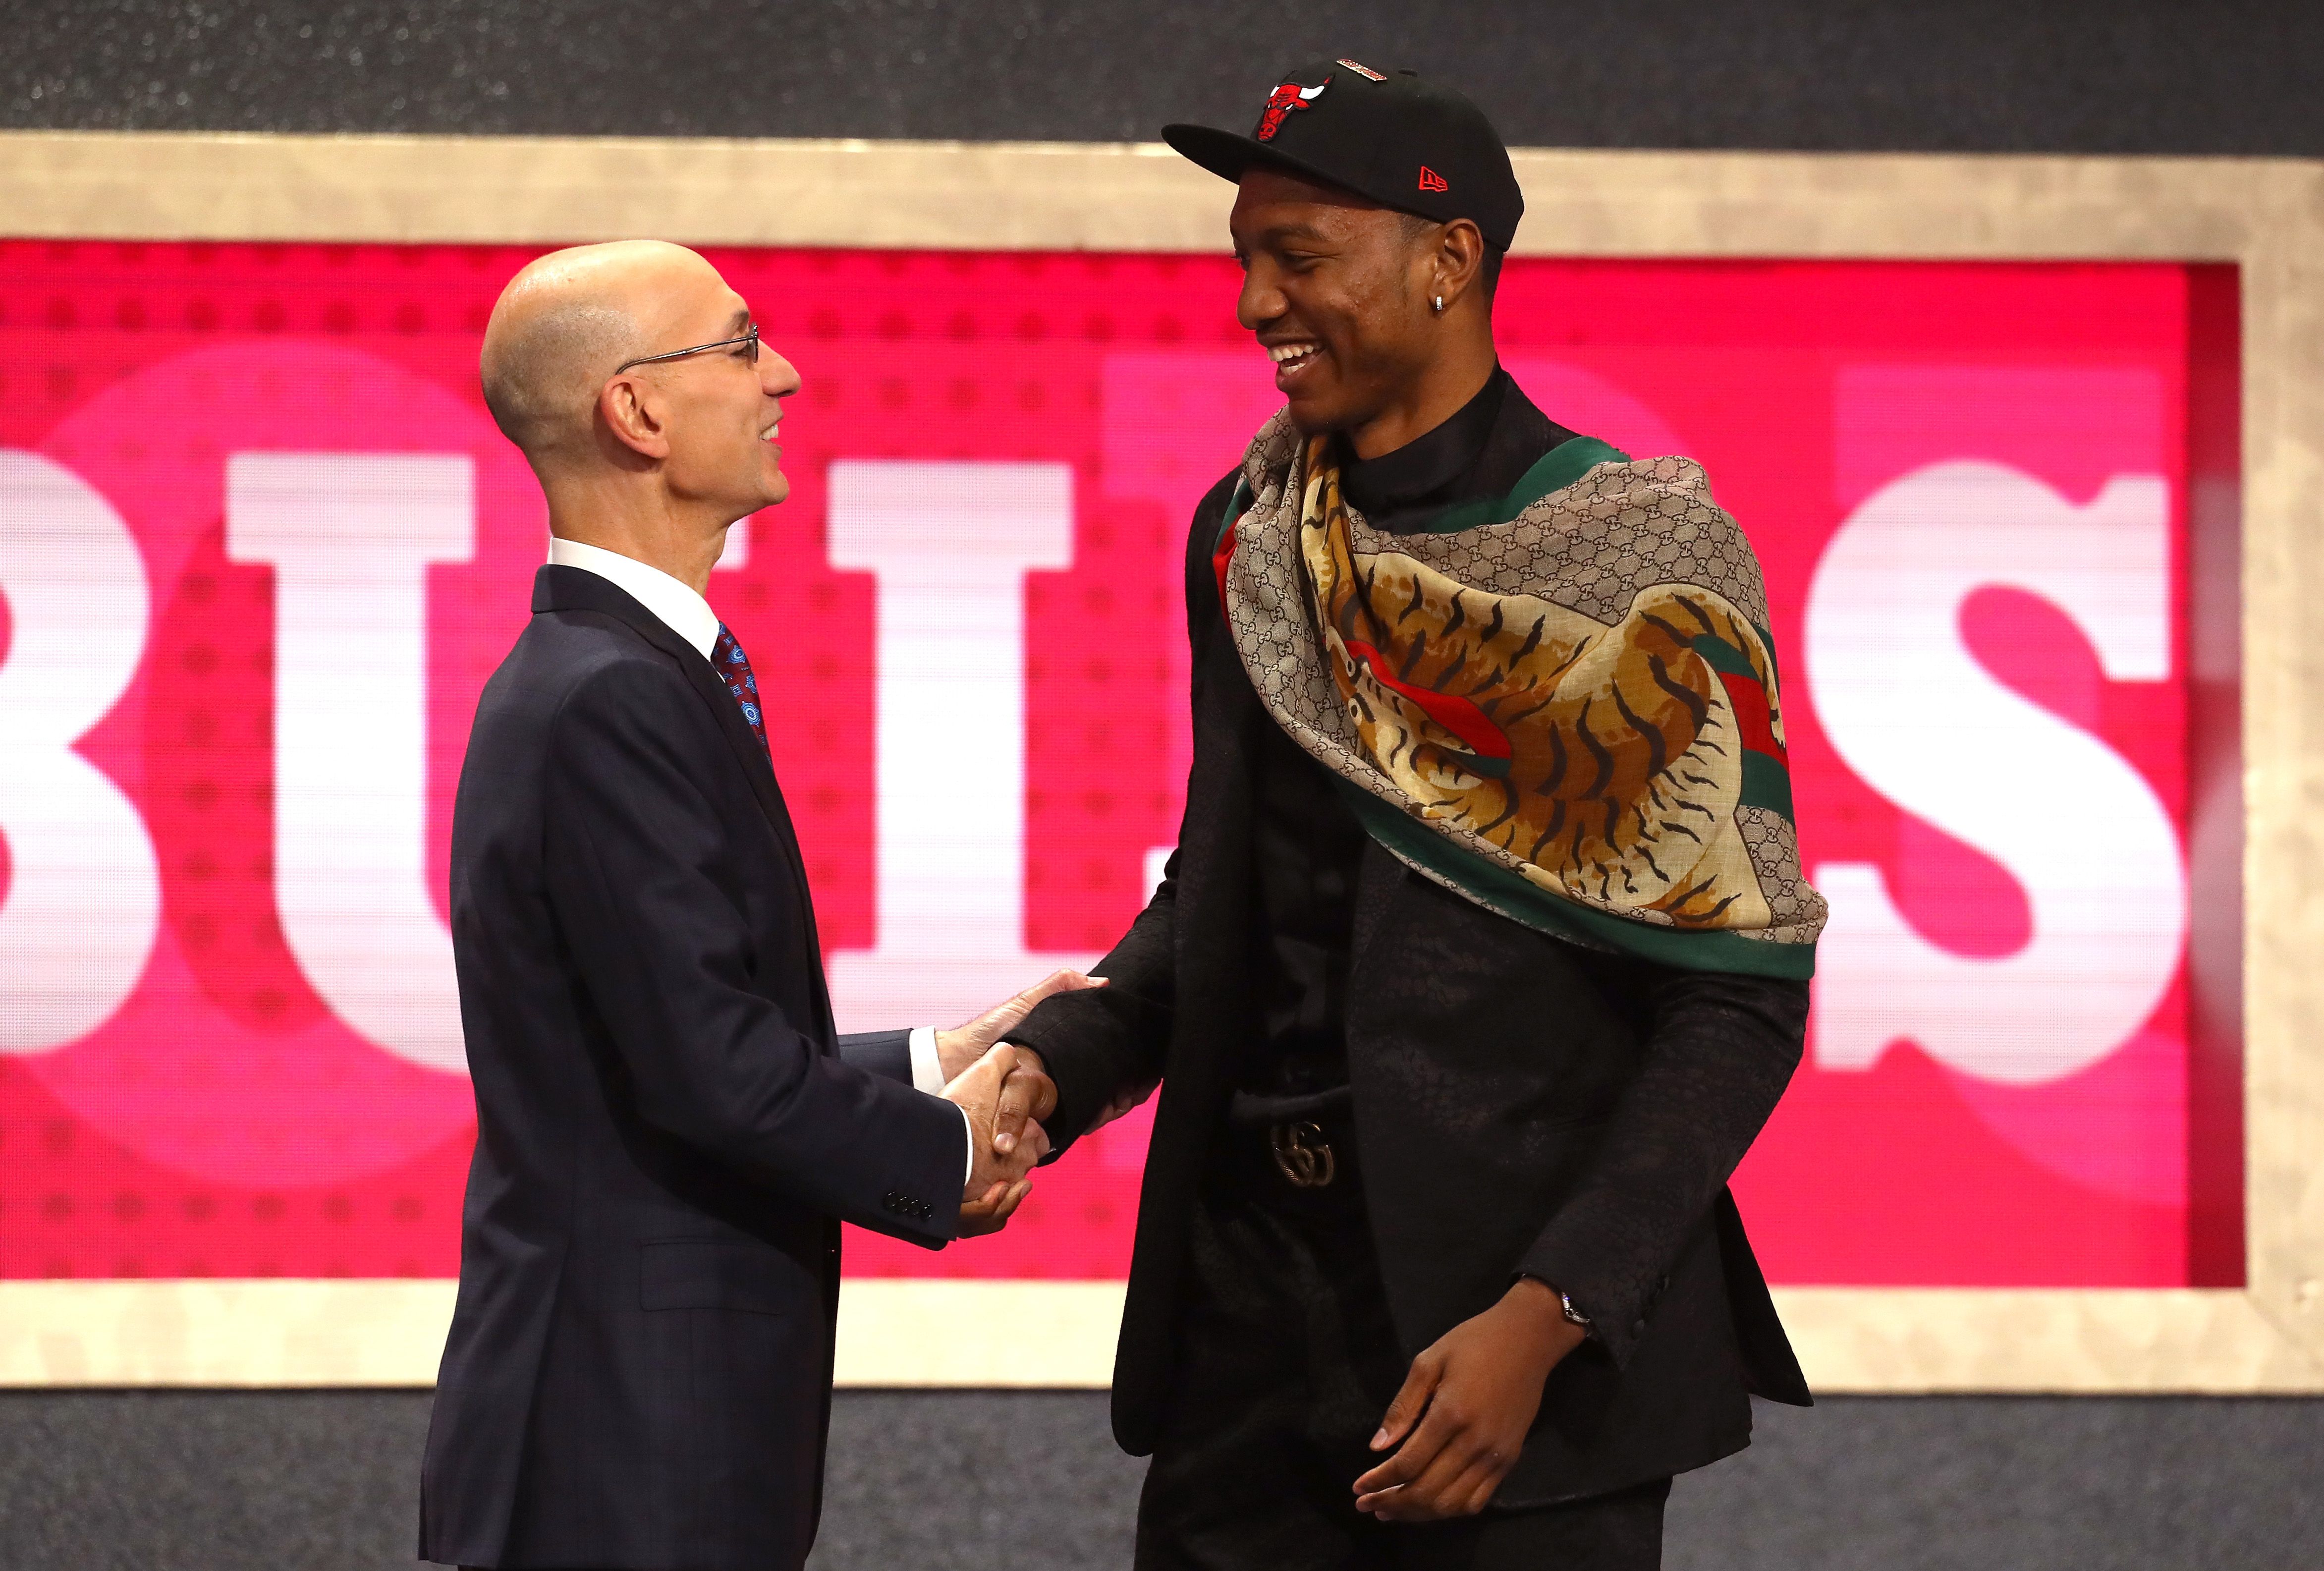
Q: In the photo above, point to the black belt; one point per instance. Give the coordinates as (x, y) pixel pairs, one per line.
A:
(1308, 1138)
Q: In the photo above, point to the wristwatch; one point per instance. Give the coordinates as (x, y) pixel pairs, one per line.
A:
(1573, 1316)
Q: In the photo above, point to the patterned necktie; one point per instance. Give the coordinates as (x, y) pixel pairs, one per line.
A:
(733, 669)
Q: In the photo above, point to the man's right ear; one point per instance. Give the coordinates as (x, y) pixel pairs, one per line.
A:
(631, 409)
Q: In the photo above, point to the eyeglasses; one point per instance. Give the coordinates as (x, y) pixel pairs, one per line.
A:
(750, 341)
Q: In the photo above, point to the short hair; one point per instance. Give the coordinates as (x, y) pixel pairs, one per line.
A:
(541, 384)
(1488, 270)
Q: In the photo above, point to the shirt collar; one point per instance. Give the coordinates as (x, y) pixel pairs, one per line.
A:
(1427, 462)
(675, 604)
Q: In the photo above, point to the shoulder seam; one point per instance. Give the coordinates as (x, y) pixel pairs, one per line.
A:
(657, 660)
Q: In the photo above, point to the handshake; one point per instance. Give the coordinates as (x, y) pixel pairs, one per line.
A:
(1006, 1091)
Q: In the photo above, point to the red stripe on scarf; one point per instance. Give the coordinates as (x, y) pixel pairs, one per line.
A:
(1221, 558)
(1460, 716)
(1750, 702)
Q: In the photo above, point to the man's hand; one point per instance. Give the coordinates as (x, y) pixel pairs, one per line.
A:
(1465, 1408)
(1125, 1101)
(993, 1089)
(1031, 1095)
(962, 1046)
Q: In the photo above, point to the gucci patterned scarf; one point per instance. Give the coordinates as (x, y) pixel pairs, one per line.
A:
(1562, 704)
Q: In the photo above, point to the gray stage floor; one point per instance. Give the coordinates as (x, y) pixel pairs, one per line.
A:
(950, 1482)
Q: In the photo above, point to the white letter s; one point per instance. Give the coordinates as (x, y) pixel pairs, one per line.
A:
(1909, 708)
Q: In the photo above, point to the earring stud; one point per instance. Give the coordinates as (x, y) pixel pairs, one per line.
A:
(1440, 302)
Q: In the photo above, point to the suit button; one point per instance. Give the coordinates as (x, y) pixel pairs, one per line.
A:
(1638, 1328)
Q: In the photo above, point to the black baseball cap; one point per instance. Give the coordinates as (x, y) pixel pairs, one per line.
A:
(1395, 136)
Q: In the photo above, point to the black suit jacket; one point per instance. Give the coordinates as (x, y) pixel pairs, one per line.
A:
(639, 1369)
(1521, 1105)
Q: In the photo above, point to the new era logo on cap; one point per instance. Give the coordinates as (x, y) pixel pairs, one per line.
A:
(1430, 180)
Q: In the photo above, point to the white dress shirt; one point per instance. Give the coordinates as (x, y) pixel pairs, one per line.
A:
(674, 604)
(677, 608)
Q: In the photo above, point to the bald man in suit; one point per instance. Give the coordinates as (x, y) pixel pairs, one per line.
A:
(670, 1131)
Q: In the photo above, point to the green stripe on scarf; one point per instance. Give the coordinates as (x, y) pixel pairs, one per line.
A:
(1554, 470)
(1520, 900)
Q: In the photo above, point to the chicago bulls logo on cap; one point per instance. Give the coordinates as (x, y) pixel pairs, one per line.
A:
(1290, 95)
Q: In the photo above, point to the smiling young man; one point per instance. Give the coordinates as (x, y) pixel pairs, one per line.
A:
(1482, 956)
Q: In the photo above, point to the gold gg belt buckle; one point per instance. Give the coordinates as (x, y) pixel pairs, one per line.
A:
(1302, 1155)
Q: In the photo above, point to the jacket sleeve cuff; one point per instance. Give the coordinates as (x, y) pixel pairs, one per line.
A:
(1617, 1309)
(886, 1054)
(1084, 1040)
(920, 1169)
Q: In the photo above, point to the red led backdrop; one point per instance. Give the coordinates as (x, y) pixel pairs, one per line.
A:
(260, 548)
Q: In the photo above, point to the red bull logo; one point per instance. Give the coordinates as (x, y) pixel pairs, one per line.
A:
(1290, 95)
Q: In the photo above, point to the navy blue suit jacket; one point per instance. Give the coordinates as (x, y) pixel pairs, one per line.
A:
(639, 1370)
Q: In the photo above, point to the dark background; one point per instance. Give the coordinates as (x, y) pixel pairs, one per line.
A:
(2047, 76)
(937, 1480)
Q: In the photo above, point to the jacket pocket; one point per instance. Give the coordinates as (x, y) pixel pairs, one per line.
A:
(714, 1274)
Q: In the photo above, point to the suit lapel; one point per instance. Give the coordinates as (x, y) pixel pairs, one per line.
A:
(562, 589)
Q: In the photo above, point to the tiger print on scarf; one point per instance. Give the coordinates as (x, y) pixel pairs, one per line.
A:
(1578, 691)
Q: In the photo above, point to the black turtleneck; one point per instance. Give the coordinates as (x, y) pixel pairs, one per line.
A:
(1483, 450)
(1305, 842)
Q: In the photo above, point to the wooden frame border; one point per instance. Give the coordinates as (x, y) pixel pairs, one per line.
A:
(2267, 217)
